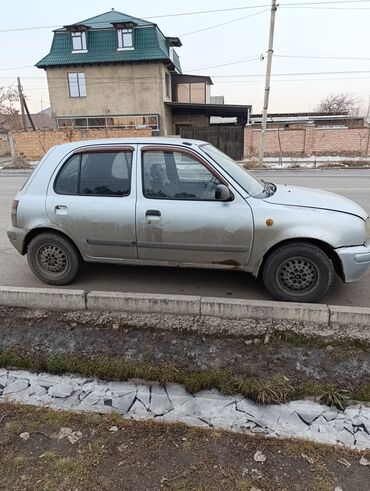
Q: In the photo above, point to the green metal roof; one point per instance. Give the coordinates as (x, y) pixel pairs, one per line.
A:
(104, 21)
(149, 43)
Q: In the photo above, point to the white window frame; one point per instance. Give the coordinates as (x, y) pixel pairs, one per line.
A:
(122, 34)
(76, 84)
(75, 35)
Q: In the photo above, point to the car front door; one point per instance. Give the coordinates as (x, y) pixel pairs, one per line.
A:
(92, 199)
(178, 218)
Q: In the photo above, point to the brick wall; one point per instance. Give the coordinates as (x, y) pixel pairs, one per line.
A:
(309, 141)
(32, 145)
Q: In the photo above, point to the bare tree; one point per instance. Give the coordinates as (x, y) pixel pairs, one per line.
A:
(340, 103)
(9, 115)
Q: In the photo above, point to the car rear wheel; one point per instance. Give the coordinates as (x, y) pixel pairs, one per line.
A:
(298, 272)
(53, 259)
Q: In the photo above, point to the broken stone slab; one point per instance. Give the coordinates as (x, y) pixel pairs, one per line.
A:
(159, 401)
(139, 411)
(63, 389)
(143, 394)
(4, 380)
(124, 402)
(16, 386)
(121, 388)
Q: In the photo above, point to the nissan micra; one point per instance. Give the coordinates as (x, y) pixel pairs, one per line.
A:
(170, 202)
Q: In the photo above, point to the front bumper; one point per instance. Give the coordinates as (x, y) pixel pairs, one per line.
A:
(16, 236)
(355, 261)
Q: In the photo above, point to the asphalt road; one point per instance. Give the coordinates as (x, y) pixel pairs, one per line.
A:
(354, 184)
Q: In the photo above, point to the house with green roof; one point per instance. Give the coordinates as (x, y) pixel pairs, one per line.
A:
(115, 70)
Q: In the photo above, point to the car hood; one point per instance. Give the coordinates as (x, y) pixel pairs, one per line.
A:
(315, 198)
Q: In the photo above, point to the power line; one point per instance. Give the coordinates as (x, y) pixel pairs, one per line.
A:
(251, 58)
(155, 79)
(243, 60)
(314, 57)
(200, 12)
(224, 23)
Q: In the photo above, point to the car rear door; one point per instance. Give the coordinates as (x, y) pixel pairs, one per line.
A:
(178, 218)
(91, 197)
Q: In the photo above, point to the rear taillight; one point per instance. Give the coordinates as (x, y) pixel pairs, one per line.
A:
(14, 212)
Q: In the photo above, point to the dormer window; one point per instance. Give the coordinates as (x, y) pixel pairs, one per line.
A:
(78, 37)
(78, 41)
(125, 35)
(125, 38)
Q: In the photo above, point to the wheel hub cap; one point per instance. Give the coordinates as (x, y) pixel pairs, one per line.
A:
(53, 259)
(298, 274)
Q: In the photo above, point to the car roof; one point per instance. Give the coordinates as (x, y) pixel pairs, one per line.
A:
(150, 140)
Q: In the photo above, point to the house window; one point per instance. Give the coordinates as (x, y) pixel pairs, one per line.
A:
(150, 121)
(78, 41)
(191, 92)
(77, 85)
(168, 85)
(125, 39)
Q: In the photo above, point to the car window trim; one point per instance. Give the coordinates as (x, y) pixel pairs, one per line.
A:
(186, 151)
(94, 149)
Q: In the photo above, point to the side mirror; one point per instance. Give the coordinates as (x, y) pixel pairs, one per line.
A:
(223, 193)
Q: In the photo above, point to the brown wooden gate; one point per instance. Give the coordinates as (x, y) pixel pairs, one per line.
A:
(229, 139)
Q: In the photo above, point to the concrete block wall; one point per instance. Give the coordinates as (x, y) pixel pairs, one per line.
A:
(304, 142)
(32, 145)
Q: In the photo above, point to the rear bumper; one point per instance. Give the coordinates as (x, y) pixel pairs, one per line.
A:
(16, 236)
(355, 261)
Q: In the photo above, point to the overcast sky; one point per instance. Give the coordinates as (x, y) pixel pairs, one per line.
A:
(340, 30)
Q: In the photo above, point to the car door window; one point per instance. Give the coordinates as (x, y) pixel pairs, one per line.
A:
(176, 175)
(96, 173)
(67, 180)
(105, 174)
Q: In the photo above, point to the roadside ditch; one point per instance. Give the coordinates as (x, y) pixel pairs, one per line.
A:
(262, 352)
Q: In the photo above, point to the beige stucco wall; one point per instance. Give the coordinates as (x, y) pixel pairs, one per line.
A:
(112, 89)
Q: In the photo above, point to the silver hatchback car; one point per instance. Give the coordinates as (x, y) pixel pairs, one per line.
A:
(170, 202)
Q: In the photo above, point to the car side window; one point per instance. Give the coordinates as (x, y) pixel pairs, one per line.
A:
(96, 173)
(67, 179)
(177, 175)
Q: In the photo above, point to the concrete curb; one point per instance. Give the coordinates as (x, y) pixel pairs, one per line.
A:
(261, 309)
(180, 305)
(144, 303)
(349, 315)
(42, 298)
(10, 172)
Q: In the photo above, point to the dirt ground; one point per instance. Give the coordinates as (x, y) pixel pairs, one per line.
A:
(47, 450)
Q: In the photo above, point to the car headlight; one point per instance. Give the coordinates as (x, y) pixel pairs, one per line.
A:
(367, 228)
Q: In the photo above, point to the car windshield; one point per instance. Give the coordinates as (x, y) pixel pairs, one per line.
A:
(249, 183)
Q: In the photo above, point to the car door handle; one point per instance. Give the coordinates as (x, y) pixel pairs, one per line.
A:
(153, 214)
(61, 210)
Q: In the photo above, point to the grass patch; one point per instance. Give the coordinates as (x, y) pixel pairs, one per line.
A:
(276, 390)
(304, 341)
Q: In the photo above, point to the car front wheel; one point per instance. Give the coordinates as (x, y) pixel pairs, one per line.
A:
(298, 272)
(53, 259)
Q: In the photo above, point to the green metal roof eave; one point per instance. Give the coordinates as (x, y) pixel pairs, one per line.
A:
(58, 64)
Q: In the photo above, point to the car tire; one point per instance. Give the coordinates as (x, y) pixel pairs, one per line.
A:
(298, 272)
(53, 259)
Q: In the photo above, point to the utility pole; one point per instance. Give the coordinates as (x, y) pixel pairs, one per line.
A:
(267, 83)
(21, 100)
